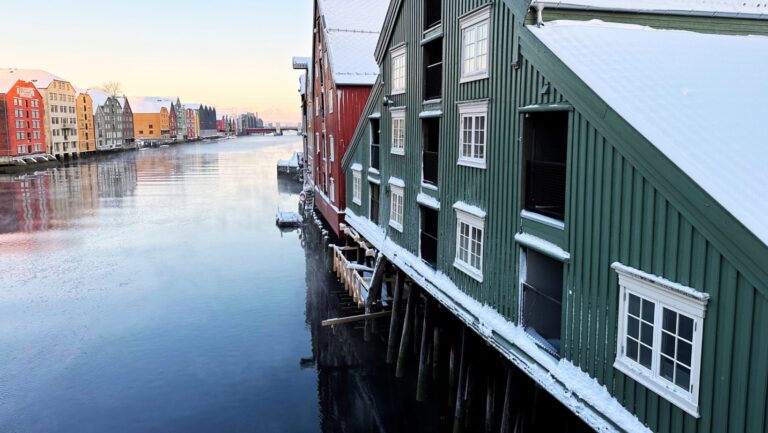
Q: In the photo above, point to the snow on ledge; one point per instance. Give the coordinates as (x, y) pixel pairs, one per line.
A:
(574, 388)
(542, 246)
(396, 181)
(356, 167)
(428, 201)
(470, 209)
(675, 287)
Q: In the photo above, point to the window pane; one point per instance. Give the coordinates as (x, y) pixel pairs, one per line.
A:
(632, 349)
(647, 335)
(670, 321)
(666, 368)
(682, 377)
(648, 312)
(684, 352)
(686, 327)
(645, 356)
(667, 344)
(634, 305)
(633, 327)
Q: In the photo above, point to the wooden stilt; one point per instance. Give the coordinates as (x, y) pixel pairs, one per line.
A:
(426, 336)
(407, 325)
(506, 413)
(452, 374)
(436, 352)
(393, 322)
(490, 400)
(458, 414)
(469, 391)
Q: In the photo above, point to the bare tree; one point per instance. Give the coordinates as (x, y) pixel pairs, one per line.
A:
(112, 87)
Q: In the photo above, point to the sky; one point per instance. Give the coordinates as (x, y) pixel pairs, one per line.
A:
(233, 54)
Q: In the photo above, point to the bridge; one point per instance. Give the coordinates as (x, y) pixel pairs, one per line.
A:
(270, 130)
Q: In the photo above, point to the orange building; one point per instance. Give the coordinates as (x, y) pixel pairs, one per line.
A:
(151, 120)
(86, 134)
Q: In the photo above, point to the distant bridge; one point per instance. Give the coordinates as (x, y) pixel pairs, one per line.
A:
(270, 130)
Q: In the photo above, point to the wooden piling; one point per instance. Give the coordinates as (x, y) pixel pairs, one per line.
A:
(436, 352)
(452, 374)
(407, 325)
(426, 336)
(393, 321)
(506, 413)
(458, 414)
(490, 400)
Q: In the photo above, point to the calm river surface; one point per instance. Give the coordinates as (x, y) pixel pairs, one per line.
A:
(150, 291)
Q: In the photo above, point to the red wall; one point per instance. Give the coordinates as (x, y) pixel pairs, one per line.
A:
(8, 141)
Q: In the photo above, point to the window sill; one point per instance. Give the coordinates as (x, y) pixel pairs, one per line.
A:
(397, 92)
(548, 221)
(474, 163)
(357, 202)
(372, 170)
(396, 226)
(641, 376)
(400, 152)
(428, 186)
(475, 77)
(469, 270)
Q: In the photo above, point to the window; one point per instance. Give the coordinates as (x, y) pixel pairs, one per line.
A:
(357, 181)
(660, 334)
(429, 235)
(433, 69)
(38, 147)
(541, 292)
(330, 100)
(398, 132)
(332, 149)
(545, 141)
(431, 13)
(332, 191)
(469, 241)
(374, 189)
(396, 204)
(430, 154)
(375, 143)
(19, 149)
(398, 70)
(473, 118)
(35, 103)
(474, 45)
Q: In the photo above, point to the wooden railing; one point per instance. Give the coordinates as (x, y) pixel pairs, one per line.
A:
(349, 273)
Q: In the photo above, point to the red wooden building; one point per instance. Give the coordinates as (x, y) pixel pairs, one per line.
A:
(22, 131)
(344, 68)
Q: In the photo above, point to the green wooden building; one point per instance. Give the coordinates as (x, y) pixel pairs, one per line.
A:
(583, 184)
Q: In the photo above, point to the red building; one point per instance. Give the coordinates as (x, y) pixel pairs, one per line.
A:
(173, 121)
(344, 69)
(22, 131)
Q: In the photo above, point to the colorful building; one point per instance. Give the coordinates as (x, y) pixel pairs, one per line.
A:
(344, 69)
(86, 134)
(22, 133)
(181, 120)
(582, 184)
(151, 118)
(128, 132)
(192, 120)
(108, 120)
(60, 118)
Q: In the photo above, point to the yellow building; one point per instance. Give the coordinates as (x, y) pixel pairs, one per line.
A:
(151, 120)
(86, 134)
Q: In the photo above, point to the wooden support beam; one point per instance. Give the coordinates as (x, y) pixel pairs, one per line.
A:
(407, 325)
(436, 352)
(452, 361)
(506, 413)
(458, 414)
(490, 400)
(393, 322)
(426, 336)
(357, 318)
(375, 287)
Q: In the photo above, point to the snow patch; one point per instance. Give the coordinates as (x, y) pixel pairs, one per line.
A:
(470, 209)
(542, 246)
(428, 201)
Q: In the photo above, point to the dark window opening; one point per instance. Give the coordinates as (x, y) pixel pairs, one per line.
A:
(433, 69)
(429, 235)
(542, 293)
(432, 13)
(374, 214)
(375, 143)
(546, 146)
(430, 154)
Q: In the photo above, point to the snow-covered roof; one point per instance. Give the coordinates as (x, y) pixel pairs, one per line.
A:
(302, 84)
(692, 95)
(351, 33)
(98, 97)
(41, 79)
(730, 8)
(149, 104)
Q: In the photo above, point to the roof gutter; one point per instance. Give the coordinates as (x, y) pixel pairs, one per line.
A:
(557, 4)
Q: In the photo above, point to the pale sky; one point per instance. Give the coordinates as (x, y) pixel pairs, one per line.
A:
(233, 54)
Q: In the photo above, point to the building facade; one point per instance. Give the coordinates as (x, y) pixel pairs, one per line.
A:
(21, 120)
(151, 118)
(192, 120)
(108, 119)
(343, 71)
(181, 120)
(128, 132)
(86, 134)
(540, 174)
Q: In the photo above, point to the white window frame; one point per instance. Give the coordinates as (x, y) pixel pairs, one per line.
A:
(397, 147)
(473, 221)
(395, 54)
(333, 152)
(396, 192)
(672, 296)
(470, 22)
(332, 190)
(473, 110)
(330, 100)
(357, 187)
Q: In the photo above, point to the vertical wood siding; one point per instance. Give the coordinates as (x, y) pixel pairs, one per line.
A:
(614, 212)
